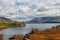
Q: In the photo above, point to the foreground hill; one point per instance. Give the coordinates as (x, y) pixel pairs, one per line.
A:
(7, 23)
(48, 34)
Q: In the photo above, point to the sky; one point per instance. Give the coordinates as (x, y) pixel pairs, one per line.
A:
(25, 10)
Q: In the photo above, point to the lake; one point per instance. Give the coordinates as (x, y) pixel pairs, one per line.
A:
(13, 31)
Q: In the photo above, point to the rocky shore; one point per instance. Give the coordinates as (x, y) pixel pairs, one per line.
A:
(35, 34)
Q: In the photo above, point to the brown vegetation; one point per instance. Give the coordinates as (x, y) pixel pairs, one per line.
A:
(1, 36)
(48, 34)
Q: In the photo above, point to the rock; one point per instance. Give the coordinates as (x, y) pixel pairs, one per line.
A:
(17, 37)
(20, 24)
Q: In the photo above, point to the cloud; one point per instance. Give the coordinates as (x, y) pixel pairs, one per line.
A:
(29, 8)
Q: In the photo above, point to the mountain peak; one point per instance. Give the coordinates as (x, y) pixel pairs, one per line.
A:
(4, 19)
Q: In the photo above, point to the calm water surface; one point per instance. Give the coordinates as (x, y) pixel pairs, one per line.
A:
(13, 31)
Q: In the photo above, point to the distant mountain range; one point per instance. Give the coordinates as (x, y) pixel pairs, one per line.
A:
(45, 20)
(55, 19)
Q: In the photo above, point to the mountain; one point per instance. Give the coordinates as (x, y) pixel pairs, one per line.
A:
(5, 19)
(45, 20)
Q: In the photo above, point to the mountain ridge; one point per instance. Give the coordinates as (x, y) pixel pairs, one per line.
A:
(55, 19)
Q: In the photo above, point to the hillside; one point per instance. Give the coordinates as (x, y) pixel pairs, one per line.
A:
(48, 34)
(8, 23)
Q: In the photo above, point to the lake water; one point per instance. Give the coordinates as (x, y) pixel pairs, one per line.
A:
(13, 31)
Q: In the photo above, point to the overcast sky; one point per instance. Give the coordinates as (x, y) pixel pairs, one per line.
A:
(27, 9)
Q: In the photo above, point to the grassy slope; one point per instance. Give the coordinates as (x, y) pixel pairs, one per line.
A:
(7, 24)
